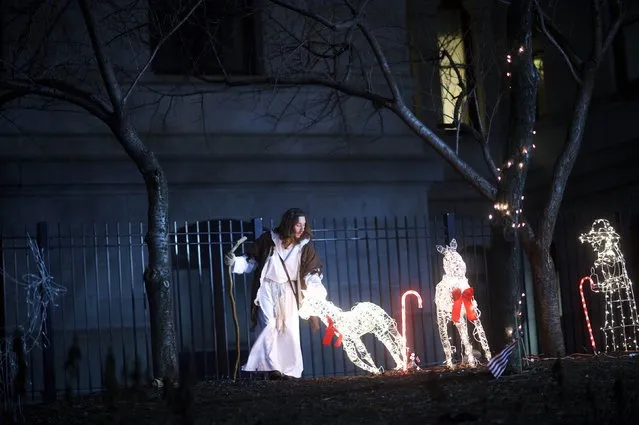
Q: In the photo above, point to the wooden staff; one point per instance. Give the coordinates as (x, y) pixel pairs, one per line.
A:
(234, 309)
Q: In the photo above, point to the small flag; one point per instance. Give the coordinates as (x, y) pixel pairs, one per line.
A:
(498, 364)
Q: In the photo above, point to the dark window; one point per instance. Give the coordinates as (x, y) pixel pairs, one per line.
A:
(625, 48)
(217, 39)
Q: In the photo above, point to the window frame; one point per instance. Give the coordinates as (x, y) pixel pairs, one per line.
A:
(471, 115)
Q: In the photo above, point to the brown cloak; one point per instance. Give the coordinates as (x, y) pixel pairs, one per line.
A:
(263, 248)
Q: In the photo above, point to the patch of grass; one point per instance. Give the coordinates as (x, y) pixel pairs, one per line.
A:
(595, 390)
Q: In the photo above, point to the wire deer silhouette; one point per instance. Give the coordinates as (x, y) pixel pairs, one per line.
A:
(349, 327)
(455, 302)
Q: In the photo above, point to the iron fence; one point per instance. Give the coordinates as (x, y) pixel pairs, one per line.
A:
(366, 259)
(105, 306)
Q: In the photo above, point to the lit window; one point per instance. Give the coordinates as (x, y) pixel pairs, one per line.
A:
(538, 61)
(452, 76)
(455, 68)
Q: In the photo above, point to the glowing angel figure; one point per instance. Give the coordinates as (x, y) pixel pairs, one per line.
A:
(455, 301)
(610, 277)
(350, 326)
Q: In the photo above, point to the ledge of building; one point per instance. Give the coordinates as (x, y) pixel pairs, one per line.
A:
(228, 171)
(167, 146)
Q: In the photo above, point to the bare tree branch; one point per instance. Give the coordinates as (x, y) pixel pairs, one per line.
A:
(382, 62)
(568, 156)
(104, 63)
(597, 23)
(554, 36)
(482, 185)
(395, 104)
(335, 26)
(612, 33)
(157, 49)
(304, 80)
(53, 89)
(485, 148)
(565, 162)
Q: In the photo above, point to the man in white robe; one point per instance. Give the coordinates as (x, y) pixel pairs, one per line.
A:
(284, 261)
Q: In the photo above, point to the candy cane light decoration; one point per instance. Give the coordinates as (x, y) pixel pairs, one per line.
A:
(609, 276)
(583, 305)
(419, 304)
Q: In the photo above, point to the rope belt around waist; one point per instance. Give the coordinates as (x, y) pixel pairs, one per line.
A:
(267, 280)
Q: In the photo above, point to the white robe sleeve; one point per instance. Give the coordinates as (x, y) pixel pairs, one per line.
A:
(314, 286)
(242, 265)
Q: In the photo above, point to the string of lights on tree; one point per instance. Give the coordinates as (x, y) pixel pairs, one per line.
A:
(512, 215)
(498, 364)
(519, 323)
(519, 318)
(609, 276)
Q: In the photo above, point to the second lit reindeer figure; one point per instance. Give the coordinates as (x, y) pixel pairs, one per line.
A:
(455, 301)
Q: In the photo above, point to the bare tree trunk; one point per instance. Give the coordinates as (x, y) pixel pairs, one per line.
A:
(538, 249)
(505, 291)
(157, 272)
(546, 297)
(515, 284)
(523, 102)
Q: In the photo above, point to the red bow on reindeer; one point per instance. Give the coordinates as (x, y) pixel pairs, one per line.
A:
(330, 331)
(465, 298)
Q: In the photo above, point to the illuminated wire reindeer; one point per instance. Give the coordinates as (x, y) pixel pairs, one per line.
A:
(609, 276)
(350, 326)
(455, 301)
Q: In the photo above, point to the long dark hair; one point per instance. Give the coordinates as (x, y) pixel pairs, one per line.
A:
(287, 223)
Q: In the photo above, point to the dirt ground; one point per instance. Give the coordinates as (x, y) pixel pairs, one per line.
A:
(577, 390)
